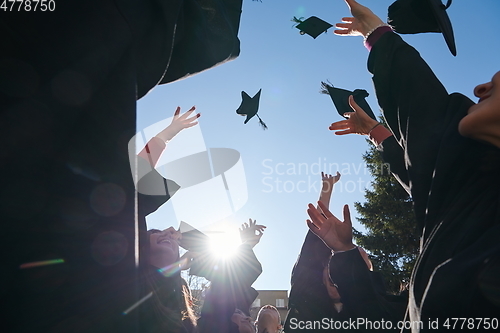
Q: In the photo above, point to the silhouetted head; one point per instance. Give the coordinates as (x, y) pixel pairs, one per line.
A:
(268, 320)
(482, 121)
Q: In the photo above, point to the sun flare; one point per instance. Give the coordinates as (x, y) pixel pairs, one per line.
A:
(224, 245)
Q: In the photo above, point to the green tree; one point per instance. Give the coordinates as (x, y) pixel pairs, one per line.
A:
(391, 230)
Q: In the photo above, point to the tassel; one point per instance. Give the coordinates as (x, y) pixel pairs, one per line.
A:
(324, 88)
(263, 124)
(297, 20)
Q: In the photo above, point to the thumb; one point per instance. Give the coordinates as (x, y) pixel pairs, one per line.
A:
(358, 109)
(354, 105)
(351, 3)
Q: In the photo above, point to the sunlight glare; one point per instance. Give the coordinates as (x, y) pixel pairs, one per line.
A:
(224, 245)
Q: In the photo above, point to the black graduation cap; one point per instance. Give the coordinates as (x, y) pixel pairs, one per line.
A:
(340, 98)
(193, 239)
(313, 26)
(417, 16)
(250, 106)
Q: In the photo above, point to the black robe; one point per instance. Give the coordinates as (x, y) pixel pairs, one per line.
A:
(454, 182)
(362, 291)
(231, 282)
(69, 81)
(309, 300)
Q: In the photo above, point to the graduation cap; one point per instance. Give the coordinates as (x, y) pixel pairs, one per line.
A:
(193, 239)
(250, 106)
(340, 98)
(313, 26)
(417, 16)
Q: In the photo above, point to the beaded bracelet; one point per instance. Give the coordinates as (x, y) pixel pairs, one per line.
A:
(372, 30)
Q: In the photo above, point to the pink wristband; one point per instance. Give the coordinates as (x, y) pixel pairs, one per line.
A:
(375, 36)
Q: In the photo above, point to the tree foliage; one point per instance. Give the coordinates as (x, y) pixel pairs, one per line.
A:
(391, 237)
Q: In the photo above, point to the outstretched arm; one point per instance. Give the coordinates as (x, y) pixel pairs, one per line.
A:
(358, 122)
(328, 181)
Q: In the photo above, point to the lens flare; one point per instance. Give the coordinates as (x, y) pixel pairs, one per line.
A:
(136, 304)
(224, 245)
(41, 263)
(170, 269)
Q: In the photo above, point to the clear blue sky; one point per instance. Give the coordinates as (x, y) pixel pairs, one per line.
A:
(289, 68)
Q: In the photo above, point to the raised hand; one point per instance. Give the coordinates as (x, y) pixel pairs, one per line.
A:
(327, 188)
(328, 181)
(251, 232)
(358, 122)
(362, 22)
(336, 234)
(179, 122)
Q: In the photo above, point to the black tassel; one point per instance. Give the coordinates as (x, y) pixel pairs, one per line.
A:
(324, 88)
(297, 20)
(263, 124)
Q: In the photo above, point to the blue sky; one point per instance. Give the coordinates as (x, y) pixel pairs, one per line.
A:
(281, 164)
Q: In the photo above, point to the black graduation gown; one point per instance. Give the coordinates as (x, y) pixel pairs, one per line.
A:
(309, 300)
(363, 293)
(454, 182)
(69, 81)
(230, 289)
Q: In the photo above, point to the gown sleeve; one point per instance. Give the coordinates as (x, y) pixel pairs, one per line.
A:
(413, 102)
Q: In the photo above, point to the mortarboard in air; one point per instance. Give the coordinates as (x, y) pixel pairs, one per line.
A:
(340, 98)
(313, 26)
(193, 239)
(417, 16)
(249, 107)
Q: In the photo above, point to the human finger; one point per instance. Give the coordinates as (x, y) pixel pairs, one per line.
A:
(325, 209)
(343, 26)
(354, 105)
(315, 215)
(313, 227)
(348, 19)
(347, 215)
(351, 3)
(177, 111)
(341, 124)
(342, 32)
(347, 131)
(193, 118)
(191, 125)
